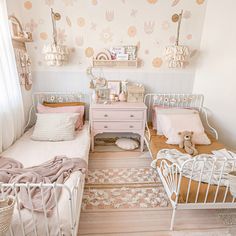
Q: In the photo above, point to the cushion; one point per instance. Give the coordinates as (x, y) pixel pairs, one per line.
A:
(167, 110)
(171, 124)
(64, 109)
(127, 143)
(55, 126)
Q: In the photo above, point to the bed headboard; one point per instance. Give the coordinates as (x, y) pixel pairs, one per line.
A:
(194, 101)
(55, 97)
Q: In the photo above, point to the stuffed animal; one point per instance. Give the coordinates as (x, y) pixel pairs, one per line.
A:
(187, 143)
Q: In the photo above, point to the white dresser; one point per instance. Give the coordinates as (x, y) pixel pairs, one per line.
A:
(119, 117)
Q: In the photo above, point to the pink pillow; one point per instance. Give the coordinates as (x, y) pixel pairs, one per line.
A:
(66, 109)
(171, 124)
(157, 110)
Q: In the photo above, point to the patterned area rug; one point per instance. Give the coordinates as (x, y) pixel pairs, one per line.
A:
(123, 188)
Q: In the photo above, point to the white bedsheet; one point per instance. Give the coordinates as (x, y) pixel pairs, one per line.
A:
(31, 153)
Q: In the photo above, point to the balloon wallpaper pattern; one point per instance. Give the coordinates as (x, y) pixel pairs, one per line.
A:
(86, 26)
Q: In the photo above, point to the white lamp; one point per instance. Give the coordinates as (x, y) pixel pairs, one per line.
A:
(176, 55)
(54, 53)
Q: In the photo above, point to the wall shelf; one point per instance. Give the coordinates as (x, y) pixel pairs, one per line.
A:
(115, 63)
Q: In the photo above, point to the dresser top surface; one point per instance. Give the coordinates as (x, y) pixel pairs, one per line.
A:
(119, 105)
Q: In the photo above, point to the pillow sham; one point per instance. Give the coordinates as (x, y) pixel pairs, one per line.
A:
(171, 124)
(55, 127)
(64, 109)
(158, 110)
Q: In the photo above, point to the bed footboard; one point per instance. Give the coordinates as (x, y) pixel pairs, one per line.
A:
(64, 218)
(199, 183)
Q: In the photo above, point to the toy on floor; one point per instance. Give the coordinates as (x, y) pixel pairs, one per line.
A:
(186, 142)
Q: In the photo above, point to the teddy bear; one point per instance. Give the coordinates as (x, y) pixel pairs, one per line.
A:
(187, 143)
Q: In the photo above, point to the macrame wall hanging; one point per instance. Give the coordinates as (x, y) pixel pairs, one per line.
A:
(177, 55)
(55, 54)
(23, 62)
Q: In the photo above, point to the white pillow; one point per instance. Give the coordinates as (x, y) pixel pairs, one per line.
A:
(171, 124)
(159, 111)
(55, 126)
(127, 144)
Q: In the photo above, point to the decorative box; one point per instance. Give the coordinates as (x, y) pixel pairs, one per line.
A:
(135, 93)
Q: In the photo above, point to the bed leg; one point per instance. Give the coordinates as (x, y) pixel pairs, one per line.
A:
(173, 219)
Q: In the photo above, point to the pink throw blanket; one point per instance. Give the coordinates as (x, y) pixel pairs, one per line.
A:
(57, 170)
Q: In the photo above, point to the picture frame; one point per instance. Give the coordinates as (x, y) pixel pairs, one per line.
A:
(114, 86)
(103, 94)
(15, 27)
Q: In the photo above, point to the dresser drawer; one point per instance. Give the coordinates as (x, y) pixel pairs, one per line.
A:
(117, 115)
(117, 126)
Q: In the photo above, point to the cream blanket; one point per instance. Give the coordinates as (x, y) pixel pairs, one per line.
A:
(220, 161)
(57, 170)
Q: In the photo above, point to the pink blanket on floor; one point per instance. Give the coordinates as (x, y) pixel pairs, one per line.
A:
(57, 170)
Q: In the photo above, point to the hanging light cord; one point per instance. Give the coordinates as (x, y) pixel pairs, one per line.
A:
(178, 29)
(54, 27)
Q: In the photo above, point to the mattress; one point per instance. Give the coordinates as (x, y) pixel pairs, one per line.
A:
(158, 142)
(31, 153)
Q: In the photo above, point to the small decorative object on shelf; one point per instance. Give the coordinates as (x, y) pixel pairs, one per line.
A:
(177, 55)
(54, 53)
(232, 182)
(114, 86)
(122, 96)
(135, 93)
(120, 56)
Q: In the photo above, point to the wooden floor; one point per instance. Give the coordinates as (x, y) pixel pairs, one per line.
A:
(150, 222)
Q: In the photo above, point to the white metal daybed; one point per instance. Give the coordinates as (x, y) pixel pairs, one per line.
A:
(65, 217)
(197, 190)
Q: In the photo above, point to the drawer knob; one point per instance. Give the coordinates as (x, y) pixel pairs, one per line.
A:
(105, 115)
(131, 126)
(105, 126)
(131, 115)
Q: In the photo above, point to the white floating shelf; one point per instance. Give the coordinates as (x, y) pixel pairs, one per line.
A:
(115, 63)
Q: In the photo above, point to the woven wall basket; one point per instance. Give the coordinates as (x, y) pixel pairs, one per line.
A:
(6, 212)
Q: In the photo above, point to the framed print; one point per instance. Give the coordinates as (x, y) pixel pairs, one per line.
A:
(103, 94)
(114, 86)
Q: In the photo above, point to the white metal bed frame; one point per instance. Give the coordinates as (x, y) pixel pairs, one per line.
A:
(171, 174)
(74, 195)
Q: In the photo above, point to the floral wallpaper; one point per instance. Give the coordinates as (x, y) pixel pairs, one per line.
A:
(87, 26)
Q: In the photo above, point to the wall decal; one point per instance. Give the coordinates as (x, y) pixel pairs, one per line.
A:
(149, 27)
(189, 36)
(175, 2)
(49, 2)
(187, 14)
(69, 2)
(152, 1)
(31, 25)
(133, 12)
(81, 22)
(157, 62)
(61, 35)
(109, 15)
(165, 25)
(89, 52)
(103, 23)
(68, 21)
(200, 1)
(93, 26)
(28, 5)
(94, 2)
(43, 36)
(132, 31)
(106, 35)
(79, 40)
